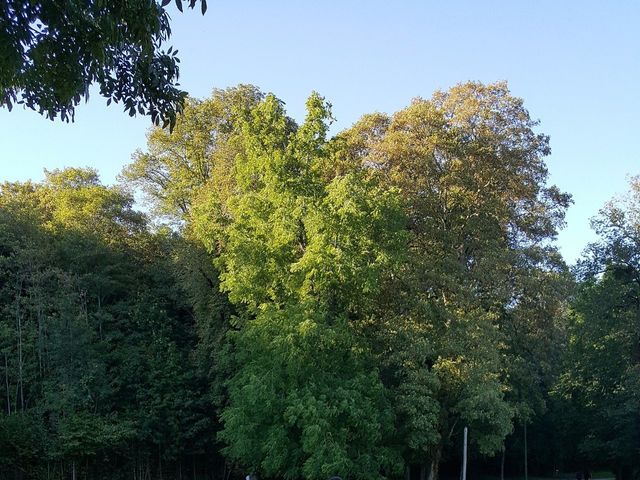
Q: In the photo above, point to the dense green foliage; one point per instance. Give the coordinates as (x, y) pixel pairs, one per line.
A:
(601, 382)
(51, 52)
(301, 306)
(96, 338)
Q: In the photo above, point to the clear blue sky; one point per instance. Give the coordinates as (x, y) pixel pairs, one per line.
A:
(576, 64)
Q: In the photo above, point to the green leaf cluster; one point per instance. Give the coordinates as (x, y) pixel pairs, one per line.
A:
(301, 305)
(51, 52)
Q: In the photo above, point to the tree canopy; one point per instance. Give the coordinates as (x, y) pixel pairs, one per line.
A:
(299, 305)
(51, 52)
(601, 378)
(444, 320)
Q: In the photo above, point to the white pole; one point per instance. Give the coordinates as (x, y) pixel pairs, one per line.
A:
(464, 456)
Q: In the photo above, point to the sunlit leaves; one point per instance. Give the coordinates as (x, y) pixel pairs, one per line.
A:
(303, 254)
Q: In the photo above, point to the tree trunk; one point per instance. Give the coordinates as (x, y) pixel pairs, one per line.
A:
(504, 450)
(434, 471)
(100, 316)
(526, 467)
(19, 325)
(423, 472)
(6, 379)
(38, 301)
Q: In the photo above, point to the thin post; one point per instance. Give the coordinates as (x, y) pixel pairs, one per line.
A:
(464, 456)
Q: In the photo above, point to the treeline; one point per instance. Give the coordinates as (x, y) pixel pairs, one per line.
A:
(296, 305)
(101, 372)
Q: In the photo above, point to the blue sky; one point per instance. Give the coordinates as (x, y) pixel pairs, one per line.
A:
(576, 64)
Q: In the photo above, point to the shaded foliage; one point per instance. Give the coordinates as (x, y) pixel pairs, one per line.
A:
(96, 338)
(51, 52)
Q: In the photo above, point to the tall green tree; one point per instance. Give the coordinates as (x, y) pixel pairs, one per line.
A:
(472, 175)
(601, 381)
(198, 153)
(462, 331)
(303, 257)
